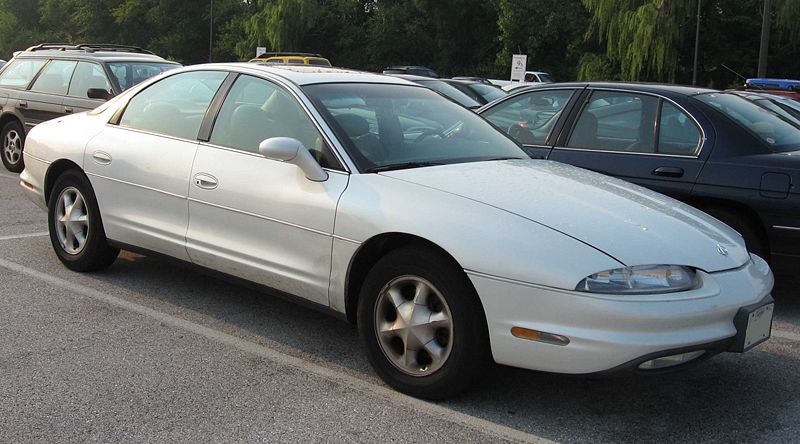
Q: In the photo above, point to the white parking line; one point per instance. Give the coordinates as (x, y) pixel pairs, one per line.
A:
(24, 235)
(277, 357)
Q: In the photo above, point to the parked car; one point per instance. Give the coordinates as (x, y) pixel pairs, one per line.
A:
(463, 97)
(782, 106)
(713, 150)
(411, 70)
(50, 80)
(773, 84)
(474, 79)
(483, 93)
(292, 58)
(2, 62)
(531, 78)
(436, 234)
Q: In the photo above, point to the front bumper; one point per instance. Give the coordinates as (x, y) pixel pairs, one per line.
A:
(32, 179)
(610, 332)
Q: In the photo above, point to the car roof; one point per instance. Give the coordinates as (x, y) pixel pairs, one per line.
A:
(657, 88)
(309, 74)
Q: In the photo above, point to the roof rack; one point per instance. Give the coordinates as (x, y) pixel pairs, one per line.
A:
(88, 47)
(287, 54)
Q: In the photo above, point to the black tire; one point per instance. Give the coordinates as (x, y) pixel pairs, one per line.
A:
(754, 237)
(12, 142)
(94, 253)
(468, 343)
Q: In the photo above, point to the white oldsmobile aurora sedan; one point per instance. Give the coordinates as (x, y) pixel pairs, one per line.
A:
(398, 209)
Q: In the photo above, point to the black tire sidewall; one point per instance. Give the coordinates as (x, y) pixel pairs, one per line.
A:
(96, 254)
(470, 350)
(13, 125)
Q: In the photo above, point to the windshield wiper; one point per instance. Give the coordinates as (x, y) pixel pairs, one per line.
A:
(400, 166)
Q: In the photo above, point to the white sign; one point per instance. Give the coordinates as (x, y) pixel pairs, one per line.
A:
(260, 50)
(519, 62)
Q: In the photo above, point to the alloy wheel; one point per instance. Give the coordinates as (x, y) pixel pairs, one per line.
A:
(12, 147)
(71, 220)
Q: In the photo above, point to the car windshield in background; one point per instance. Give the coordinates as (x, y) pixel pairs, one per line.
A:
(451, 92)
(488, 92)
(775, 131)
(547, 78)
(131, 73)
(397, 126)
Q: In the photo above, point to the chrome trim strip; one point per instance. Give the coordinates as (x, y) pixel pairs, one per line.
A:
(626, 152)
(31, 156)
(100, 176)
(784, 227)
(346, 239)
(259, 216)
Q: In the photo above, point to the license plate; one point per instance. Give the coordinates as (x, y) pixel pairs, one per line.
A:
(759, 324)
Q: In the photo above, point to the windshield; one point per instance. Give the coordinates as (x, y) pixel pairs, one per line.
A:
(131, 73)
(383, 125)
(451, 92)
(778, 133)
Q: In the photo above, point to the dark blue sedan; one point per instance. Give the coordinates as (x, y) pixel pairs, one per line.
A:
(714, 150)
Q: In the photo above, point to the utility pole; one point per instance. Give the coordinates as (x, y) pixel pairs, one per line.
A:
(765, 28)
(696, 44)
(211, 34)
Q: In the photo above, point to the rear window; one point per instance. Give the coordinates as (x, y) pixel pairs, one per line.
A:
(20, 72)
(132, 73)
(776, 132)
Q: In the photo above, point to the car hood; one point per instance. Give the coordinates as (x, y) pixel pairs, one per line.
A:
(634, 225)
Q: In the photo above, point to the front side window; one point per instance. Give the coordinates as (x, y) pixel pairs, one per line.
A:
(386, 126)
(174, 106)
(529, 118)
(255, 110)
(21, 71)
(677, 133)
(777, 133)
(616, 121)
(87, 76)
(55, 77)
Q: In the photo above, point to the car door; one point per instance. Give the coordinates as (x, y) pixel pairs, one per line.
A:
(533, 118)
(45, 98)
(642, 138)
(257, 218)
(87, 75)
(15, 80)
(139, 164)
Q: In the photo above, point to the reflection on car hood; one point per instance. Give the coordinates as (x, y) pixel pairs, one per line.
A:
(634, 225)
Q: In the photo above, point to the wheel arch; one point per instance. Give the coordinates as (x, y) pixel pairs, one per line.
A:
(748, 214)
(370, 252)
(11, 117)
(56, 169)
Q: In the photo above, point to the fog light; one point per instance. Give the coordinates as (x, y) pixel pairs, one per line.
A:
(671, 361)
(540, 336)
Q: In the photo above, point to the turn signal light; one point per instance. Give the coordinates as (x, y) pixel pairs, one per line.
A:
(539, 336)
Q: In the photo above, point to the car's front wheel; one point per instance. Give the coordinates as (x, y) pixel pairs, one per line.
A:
(76, 230)
(13, 139)
(422, 324)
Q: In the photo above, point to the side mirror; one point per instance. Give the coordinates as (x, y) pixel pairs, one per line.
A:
(99, 93)
(287, 149)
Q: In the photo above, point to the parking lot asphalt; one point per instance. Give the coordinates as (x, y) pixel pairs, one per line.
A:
(152, 349)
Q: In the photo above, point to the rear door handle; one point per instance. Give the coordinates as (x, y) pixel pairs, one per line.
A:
(23, 104)
(205, 181)
(68, 109)
(101, 157)
(668, 172)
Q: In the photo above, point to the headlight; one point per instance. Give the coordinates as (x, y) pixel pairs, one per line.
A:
(641, 279)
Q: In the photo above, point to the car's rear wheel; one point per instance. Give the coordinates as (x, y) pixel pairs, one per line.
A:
(422, 324)
(13, 140)
(76, 230)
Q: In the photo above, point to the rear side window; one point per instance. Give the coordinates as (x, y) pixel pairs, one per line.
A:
(21, 72)
(87, 76)
(616, 121)
(174, 106)
(677, 134)
(55, 77)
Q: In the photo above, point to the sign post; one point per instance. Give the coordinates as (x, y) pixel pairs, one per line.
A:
(519, 62)
(260, 50)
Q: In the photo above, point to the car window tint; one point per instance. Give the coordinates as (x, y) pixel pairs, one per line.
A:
(132, 73)
(87, 75)
(21, 72)
(616, 121)
(55, 77)
(530, 117)
(255, 110)
(174, 106)
(677, 134)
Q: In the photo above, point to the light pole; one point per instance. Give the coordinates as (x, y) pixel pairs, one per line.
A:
(696, 44)
(211, 34)
(764, 50)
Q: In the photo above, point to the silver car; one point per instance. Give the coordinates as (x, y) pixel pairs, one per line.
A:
(404, 212)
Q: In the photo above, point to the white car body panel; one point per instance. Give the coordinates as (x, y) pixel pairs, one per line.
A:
(264, 221)
(526, 232)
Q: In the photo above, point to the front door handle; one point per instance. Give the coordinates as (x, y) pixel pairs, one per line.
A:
(23, 104)
(205, 181)
(668, 172)
(101, 157)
